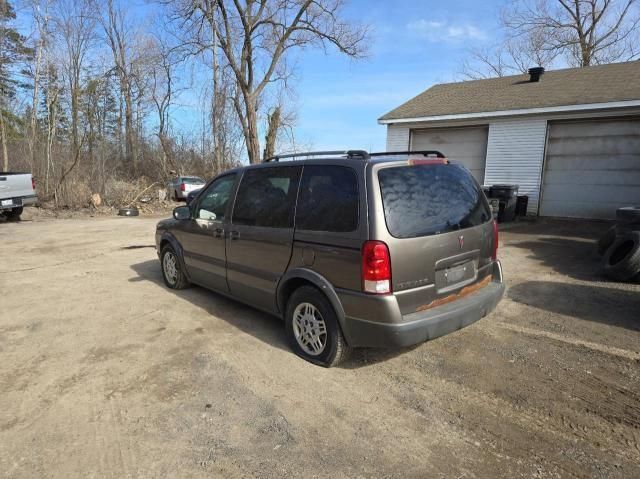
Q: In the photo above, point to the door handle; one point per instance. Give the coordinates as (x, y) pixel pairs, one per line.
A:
(218, 233)
(234, 235)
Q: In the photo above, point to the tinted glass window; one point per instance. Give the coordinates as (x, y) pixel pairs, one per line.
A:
(266, 197)
(328, 199)
(424, 200)
(212, 204)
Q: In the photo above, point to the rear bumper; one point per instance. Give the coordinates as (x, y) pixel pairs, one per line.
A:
(29, 200)
(401, 331)
(25, 200)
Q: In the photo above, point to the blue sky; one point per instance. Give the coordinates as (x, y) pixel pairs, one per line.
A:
(415, 44)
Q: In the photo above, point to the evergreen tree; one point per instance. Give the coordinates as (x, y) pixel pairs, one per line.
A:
(12, 51)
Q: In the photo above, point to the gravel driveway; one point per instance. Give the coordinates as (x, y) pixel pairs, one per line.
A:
(106, 373)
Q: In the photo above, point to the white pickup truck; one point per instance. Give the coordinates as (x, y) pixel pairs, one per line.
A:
(16, 191)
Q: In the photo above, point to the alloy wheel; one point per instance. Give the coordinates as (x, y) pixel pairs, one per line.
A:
(309, 329)
(170, 266)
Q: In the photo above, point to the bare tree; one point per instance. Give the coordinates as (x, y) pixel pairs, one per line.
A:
(51, 98)
(586, 32)
(511, 57)
(580, 33)
(273, 125)
(162, 95)
(40, 13)
(120, 38)
(280, 119)
(75, 27)
(256, 36)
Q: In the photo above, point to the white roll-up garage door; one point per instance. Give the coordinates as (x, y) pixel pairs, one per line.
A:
(467, 145)
(591, 168)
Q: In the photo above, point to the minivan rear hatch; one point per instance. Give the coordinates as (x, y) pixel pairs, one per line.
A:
(441, 232)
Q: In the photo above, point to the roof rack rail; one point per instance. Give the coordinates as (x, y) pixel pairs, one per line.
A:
(350, 154)
(435, 153)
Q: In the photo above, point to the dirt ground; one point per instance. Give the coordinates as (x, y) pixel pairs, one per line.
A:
(106, 373)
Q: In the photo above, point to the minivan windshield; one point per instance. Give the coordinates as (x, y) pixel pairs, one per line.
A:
(422, 200)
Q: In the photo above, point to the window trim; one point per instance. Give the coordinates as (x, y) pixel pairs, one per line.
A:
(232, 193)
(384, 213)
(356, 229)
(267, 168)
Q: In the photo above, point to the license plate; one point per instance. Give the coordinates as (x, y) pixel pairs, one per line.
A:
(7, 202)
(457, 273)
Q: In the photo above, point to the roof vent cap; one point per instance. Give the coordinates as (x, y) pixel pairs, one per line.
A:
(535, 74)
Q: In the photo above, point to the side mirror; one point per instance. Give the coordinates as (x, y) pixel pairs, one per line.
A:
(182, 213)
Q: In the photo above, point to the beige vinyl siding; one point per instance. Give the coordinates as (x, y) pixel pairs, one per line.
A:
(515, 154)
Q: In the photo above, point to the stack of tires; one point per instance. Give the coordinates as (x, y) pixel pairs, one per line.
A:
(620, 246)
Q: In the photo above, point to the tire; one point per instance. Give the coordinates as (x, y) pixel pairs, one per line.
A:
(309, 304)
(173, 279)
(607, 240)
(629, 213)
(128, 212)
(622, 260)
(14, 214)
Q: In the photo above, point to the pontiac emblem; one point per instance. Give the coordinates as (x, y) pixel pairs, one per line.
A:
(461, 241)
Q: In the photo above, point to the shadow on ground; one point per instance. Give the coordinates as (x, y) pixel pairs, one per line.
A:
(575, 258)
(605, 305)
(362, 357)
(267, 328)
(570, 228)
(4, 219)
(262, 326)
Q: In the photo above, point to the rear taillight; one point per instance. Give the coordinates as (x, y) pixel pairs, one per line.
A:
(182, 187)
(33, 183)
(376, 268)
(496, 236)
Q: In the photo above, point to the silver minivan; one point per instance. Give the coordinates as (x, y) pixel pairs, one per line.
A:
(350, 249)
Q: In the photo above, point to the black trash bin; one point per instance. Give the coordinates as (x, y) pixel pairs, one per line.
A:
(508, 197)
(522, 203)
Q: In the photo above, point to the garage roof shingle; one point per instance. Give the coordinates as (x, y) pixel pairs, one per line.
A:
(571, 86)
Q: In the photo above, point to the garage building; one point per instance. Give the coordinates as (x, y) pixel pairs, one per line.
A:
(569, 138)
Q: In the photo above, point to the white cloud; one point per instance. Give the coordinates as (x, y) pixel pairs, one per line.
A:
(438, 31)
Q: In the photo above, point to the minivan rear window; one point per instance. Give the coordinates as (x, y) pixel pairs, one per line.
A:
(422, 200)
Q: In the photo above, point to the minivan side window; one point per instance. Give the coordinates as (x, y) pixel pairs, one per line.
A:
(214, 200)
(328, 199)
(267, 197)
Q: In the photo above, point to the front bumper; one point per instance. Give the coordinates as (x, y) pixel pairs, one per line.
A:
(401, 331)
